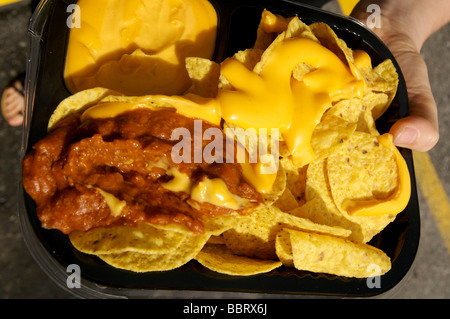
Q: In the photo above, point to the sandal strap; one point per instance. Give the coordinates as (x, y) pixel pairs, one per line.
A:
(21, 92)
(12, 84)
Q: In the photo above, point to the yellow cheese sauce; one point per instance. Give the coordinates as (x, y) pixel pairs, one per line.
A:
(215, 191)
(138, 47)
(274, 99)
(115, 205)
(397, 201)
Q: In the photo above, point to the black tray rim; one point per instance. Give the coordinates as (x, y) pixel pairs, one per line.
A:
(91, 288)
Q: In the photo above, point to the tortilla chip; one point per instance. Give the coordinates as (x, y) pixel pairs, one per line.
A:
(254, 235)
(330, 133)
(336, 256)
(220, 259)
(377, 103)
(145, 238)
(147, 262)
(363, 169)
(217, 225)
(216, 240)
(328, 38)
(382, 79)
(295, 178)
(79, 102)
(249, 57)
(298, 29)
(286, 201)
(204, 75)
(360, 111)
(283, 248)
(277, 189)
(321, 208)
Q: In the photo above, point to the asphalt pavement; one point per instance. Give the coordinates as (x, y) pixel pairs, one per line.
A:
(21, 277)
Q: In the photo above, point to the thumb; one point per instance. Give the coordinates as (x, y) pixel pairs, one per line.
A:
(420, 129)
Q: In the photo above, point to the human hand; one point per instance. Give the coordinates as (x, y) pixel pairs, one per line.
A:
(405, 26)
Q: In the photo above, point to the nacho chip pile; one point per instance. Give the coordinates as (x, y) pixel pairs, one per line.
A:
(305, 222)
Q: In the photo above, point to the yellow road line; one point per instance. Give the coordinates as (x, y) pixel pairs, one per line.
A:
(3, 2)
(347, 5)
(434, 193)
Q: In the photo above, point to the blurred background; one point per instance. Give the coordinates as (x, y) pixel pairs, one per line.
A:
(21, 277)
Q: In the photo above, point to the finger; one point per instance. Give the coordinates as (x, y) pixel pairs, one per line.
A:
(18, 85)
(420, 130)
(16, 120)
(7, 103)
(9, 97)
(14, 102)
(14, 108)
(415, 133)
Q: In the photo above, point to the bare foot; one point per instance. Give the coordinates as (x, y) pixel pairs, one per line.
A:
(13, 104)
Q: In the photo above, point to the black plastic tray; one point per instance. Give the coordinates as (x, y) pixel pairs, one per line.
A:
(238, 20)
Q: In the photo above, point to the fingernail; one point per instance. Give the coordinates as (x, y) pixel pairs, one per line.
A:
(406, 137)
